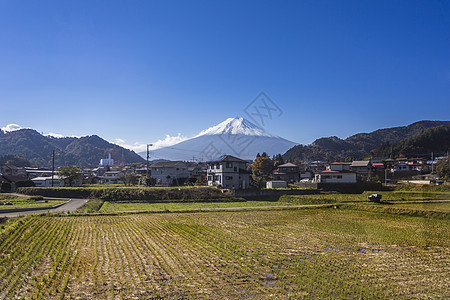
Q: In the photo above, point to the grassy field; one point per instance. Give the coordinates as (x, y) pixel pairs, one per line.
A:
(109, 207)
(428, 206)
(25, 201)
(333, 197)
(307, 253)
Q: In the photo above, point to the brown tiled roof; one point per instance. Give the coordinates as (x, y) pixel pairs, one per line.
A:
(228, 158)
(168, 164)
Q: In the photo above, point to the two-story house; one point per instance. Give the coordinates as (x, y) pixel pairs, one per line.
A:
(362, 168)
(228, 172)
(336, 172)
(287, 172)
(169, 172)
(111, 177)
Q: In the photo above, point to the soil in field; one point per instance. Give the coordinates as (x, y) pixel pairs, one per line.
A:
(313, 253)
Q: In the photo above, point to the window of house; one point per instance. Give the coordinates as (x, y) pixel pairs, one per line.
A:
(229, 165)
(339, 176)
(229, 177)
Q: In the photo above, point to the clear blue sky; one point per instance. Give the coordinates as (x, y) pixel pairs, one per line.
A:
(138, 70)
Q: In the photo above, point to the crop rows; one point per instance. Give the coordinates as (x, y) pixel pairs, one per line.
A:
(316, 253)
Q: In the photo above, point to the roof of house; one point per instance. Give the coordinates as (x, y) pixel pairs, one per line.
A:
(287, 165)
(168, 164)
(331, 171)
(228, 158)
(339, 163)
(12, 178)
(378, 164)
(360, 163)
(55, 177)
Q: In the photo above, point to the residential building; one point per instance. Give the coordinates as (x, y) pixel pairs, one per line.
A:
(275, 184)
(362, 168)
(11, 170)
(378, 167)
(338, 166)
(111, 177)
(47, 181)
(228, 172)
(287, 172)
(169, 172)
(8, 182)
(330, 176)
(336, 172)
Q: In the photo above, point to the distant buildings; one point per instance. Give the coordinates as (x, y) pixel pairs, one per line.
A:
(107, 161)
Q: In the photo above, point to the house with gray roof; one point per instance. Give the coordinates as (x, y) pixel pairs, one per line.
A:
(169, 172)
(287, 172)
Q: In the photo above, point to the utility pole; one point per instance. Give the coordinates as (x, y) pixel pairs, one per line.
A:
(385, 175)
(148, 156)
(53, 165)
(432, 163)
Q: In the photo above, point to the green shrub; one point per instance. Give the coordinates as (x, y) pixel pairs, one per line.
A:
(132, 194)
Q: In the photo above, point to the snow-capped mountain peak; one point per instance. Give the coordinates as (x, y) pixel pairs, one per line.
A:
(237, 125)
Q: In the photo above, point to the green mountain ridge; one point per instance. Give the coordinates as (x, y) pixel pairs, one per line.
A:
(359, 145)
(83, 152)
(434, 139)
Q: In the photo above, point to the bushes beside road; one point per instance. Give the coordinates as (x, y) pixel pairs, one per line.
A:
(133, 194)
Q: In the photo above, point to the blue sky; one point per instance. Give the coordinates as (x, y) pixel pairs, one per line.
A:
(140, 70)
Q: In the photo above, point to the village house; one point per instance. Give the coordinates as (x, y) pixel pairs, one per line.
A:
(111, 177)
(361, 168)
(336, 172)
(11, 170)
(287, 172)
(46, 181)
(228, 172)
(378, 167)
(169, 172)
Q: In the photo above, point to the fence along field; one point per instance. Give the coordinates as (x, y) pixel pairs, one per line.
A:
(309, 253)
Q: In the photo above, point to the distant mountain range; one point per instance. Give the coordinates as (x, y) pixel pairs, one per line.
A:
(83, 152)
(359, 145)
(234, 136)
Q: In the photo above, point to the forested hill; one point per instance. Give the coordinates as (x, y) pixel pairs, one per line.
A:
(435, 139)
(82, 152)
(359, 145)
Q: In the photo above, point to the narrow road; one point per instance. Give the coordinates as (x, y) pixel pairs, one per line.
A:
(71, 206)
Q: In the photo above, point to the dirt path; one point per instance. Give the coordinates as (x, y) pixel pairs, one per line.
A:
(71, 205)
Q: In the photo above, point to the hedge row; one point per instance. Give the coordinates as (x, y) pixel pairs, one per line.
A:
(128, 194)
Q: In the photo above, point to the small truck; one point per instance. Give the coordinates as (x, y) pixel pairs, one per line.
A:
(375, 198)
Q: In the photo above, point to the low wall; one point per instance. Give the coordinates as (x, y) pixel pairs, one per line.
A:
(271, 194)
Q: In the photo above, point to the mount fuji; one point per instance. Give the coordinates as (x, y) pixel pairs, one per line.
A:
(234, 136)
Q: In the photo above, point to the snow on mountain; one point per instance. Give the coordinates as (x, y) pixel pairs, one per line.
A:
(236, 126)
(235, 136)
